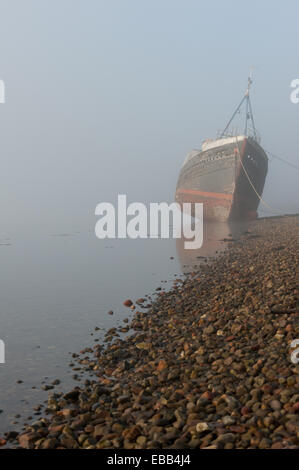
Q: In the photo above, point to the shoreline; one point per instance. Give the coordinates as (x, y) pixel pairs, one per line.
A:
(208, 364)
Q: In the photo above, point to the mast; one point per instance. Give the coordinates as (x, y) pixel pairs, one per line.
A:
(248, 111)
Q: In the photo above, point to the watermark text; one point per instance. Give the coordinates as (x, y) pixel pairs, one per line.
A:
(295, 353)
(2, 92)
(2, 352)
(295, 93)
(161, 220)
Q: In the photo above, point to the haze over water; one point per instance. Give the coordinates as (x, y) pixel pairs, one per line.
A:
(57, 289)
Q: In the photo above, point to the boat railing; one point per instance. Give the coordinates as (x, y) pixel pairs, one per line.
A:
(234, 132)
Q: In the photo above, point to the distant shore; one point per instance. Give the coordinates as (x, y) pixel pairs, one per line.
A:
(208, 364)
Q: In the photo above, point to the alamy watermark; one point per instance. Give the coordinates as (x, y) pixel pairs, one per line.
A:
(2, 352)
(295, 353)
(161, 220)
(2, 92)
(294, 97)
(2, 101)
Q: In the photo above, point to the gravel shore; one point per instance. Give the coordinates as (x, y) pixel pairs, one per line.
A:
(208, 364)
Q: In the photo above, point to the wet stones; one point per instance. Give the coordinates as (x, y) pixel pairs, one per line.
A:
(73, 395)
(207, 365)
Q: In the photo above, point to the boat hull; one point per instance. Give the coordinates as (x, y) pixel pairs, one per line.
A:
(228, 179)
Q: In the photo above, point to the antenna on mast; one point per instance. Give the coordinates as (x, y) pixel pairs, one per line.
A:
(250, 81)
(249, 115)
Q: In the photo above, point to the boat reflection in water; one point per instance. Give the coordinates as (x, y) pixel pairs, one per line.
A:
(216, 238)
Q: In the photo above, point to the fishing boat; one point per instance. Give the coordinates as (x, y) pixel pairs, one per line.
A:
(227, 174)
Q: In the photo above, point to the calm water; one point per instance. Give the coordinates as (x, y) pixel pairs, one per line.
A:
(55, 290)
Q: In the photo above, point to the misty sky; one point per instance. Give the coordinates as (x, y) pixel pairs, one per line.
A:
(107, 96)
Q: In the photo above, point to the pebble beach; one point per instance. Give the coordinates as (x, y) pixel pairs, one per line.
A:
(206, 365)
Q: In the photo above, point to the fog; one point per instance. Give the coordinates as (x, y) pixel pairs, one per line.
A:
(107, 97)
